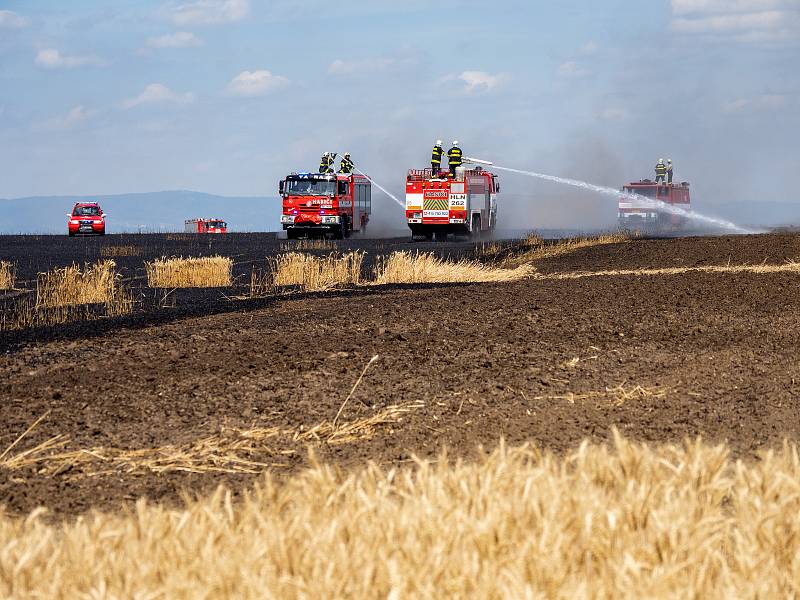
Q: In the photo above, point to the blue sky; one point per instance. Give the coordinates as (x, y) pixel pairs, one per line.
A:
(225, 96)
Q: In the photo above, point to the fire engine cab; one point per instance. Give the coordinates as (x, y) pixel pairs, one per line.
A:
(205, 226)
(639, 206)
(333, 205)
(440, 205)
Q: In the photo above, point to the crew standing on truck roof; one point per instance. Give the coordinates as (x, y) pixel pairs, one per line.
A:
(436, 158)
(661, 171)
(324, 163)
(669, 170)
(346, 166)
(454, 156)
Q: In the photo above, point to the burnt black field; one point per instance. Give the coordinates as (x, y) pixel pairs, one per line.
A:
(34, 254)
(251, 252)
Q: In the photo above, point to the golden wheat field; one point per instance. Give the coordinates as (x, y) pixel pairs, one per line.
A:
(627, 521)
(213, 271)
(65, 294)
(6, 275)
(407, 267)
(314, 273)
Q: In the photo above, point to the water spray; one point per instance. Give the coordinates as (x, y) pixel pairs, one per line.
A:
(380, 187)
(607, 191)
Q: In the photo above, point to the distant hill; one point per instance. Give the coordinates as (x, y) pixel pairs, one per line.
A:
(166, 211)
(147, 212)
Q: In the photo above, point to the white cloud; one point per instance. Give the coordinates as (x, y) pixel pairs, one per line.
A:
(255, 83)
(73, 118)
(478, 81)
(571, 69)
(767, 102)
(756, 21)
(12, 20)
(209, 12)
(682, 7)
(179, 39)
(589, 49)
(50, 58)
(352, 67)
(157, 93)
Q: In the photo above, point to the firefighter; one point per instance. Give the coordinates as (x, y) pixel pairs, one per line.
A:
(346, 166)
(436, 158)
(325, 163)
(454, 156)
(661, 171)
(669, 170)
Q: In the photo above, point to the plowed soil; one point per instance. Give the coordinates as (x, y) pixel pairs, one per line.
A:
(553, 362)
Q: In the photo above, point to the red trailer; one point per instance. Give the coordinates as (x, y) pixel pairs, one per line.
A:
(333, 205)
(205, 226)
(439, 205)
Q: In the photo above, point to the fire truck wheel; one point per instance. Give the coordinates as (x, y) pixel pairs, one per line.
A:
(291, 234)
(441, 236)
(476, 228)
(346, 231)
(71, 233)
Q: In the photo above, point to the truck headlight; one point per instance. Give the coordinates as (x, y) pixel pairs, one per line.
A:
(73, 222)
(332, 219)
(287, 218)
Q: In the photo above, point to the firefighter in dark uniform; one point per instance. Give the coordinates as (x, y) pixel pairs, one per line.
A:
(346, 165)
(454, 156)
(326, 162)
(436, 158)
(669, 170)
(661, 171)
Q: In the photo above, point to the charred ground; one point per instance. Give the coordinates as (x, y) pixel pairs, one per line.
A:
(549, 361)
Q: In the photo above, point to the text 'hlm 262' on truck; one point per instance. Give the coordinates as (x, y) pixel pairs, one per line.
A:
(439, 205)
(333, 205)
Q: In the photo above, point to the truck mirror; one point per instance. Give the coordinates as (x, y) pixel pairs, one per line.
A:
(280, 188)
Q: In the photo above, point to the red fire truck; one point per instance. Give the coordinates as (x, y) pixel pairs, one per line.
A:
(205, 226)
(333, 205)
(439, 205)
(639, 206)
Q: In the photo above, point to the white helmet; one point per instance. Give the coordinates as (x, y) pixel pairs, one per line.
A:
(347, 154)
(669, 160)
(326, 154)
(661, 161)
(438, 142)
(455, 142)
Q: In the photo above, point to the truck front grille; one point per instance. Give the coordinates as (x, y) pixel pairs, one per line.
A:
(434, 204)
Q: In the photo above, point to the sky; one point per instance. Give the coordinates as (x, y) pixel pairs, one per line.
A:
(227, 96)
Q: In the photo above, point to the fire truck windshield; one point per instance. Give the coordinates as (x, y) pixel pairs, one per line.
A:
(216, 224)
(310, 187)
(648, 192)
